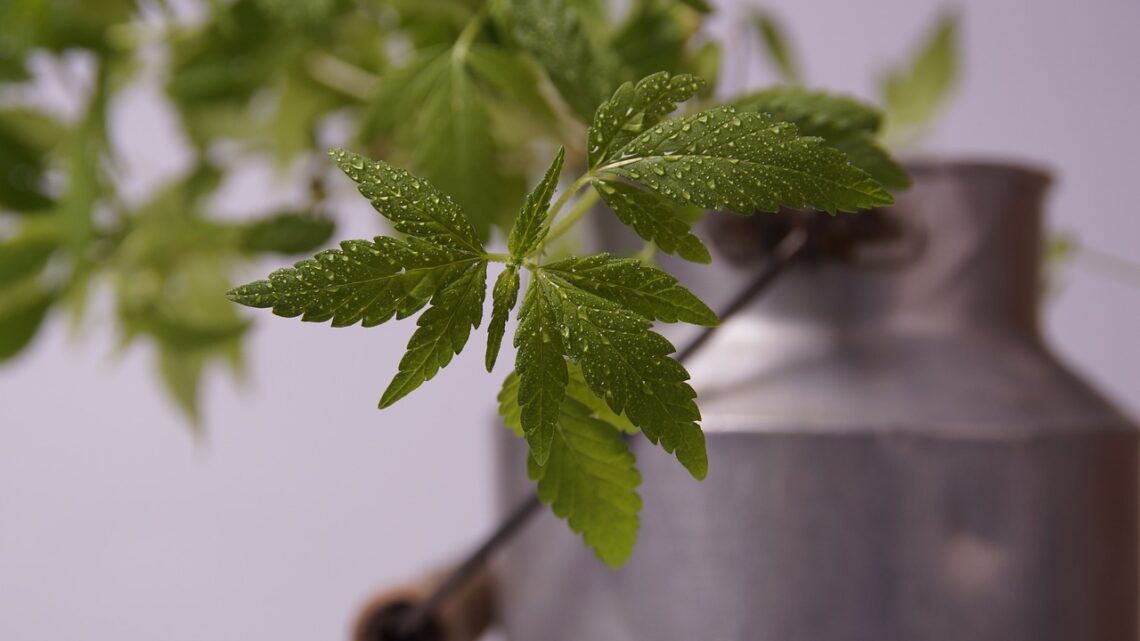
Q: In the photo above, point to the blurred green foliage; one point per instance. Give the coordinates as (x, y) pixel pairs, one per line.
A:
(463, 92)
(466, 93)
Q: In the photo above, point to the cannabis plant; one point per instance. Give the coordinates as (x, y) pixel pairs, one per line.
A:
(589, 367)
(450, 107)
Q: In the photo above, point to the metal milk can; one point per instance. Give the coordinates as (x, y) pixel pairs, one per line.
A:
(894, 452)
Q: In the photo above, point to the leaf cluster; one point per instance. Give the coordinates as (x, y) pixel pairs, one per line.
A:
(589, 366)
(912, 92)
(470, 96)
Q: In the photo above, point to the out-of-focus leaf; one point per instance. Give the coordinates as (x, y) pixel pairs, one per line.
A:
(182, 374)
(61, 24)
(27, 252)
(511, 75)
(844, 123)
(286, 233)
(301, 106)
(653, 38)
(706, 65)
(552, 32)
(915, 91)
(22, 311)
(703, 6)
(22, 164)
(777, 47)
(446, 130)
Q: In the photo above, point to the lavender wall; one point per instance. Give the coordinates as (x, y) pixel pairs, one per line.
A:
(116, 524)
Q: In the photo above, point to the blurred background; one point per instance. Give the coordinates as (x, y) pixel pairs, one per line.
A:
(290, 498)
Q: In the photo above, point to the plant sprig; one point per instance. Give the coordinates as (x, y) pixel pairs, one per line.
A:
(589, 365)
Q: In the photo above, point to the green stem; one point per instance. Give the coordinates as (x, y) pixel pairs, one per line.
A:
(581, 208)
(339, 75)
(570, 191)
(498, 258)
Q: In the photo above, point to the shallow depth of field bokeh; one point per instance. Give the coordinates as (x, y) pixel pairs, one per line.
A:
(295, 497)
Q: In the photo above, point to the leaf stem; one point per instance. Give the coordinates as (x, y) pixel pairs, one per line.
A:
(339, 75)
(570, 191)
(498, 258)
(580, 208)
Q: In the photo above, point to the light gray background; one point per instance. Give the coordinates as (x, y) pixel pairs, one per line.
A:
(116, 524)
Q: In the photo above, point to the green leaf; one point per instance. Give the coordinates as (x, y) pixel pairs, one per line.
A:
(635, 108)
(591, 480)
(22, 311)
(628, 365)
(701, 6)
(504, 296)
(844, 123)
(182, 374)
(863, 152)
(745, 162)
(509, 407)
(551, 31)
(365, 282)
(442, 332)
(814, 113)
(413, 205)
(175, 333)
(439, 116)
(511, 75)
(776, 45)
(913, 93)
(645, 290)
(654, 37)
(578, 390)
(654, 218)
(531, 225)
(589, 477)
(541, 366)
(26, 254)
(286, 233)
(22, 167)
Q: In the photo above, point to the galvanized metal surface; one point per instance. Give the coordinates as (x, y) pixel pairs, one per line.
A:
(894, 454)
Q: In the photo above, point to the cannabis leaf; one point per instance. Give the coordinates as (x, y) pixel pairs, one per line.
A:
(22, 310)
(526, 236)
(436, 108)
(414, 206)
(22, 166)
(286, 233)
(623, 362)
(913, 93)
(504, 296)
(654, 218)
(442, 333)
(745, 162)
(551, 31)
(844, 123)
(441, 262)
(541, 367)
(646, 290)
(530, 227)
(777, 47)
(634, 108)
(578, 390)
(589, 479)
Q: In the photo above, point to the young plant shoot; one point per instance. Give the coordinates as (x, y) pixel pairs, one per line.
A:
(589, 367)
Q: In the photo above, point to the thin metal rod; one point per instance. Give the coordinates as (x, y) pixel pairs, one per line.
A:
(786, 252)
